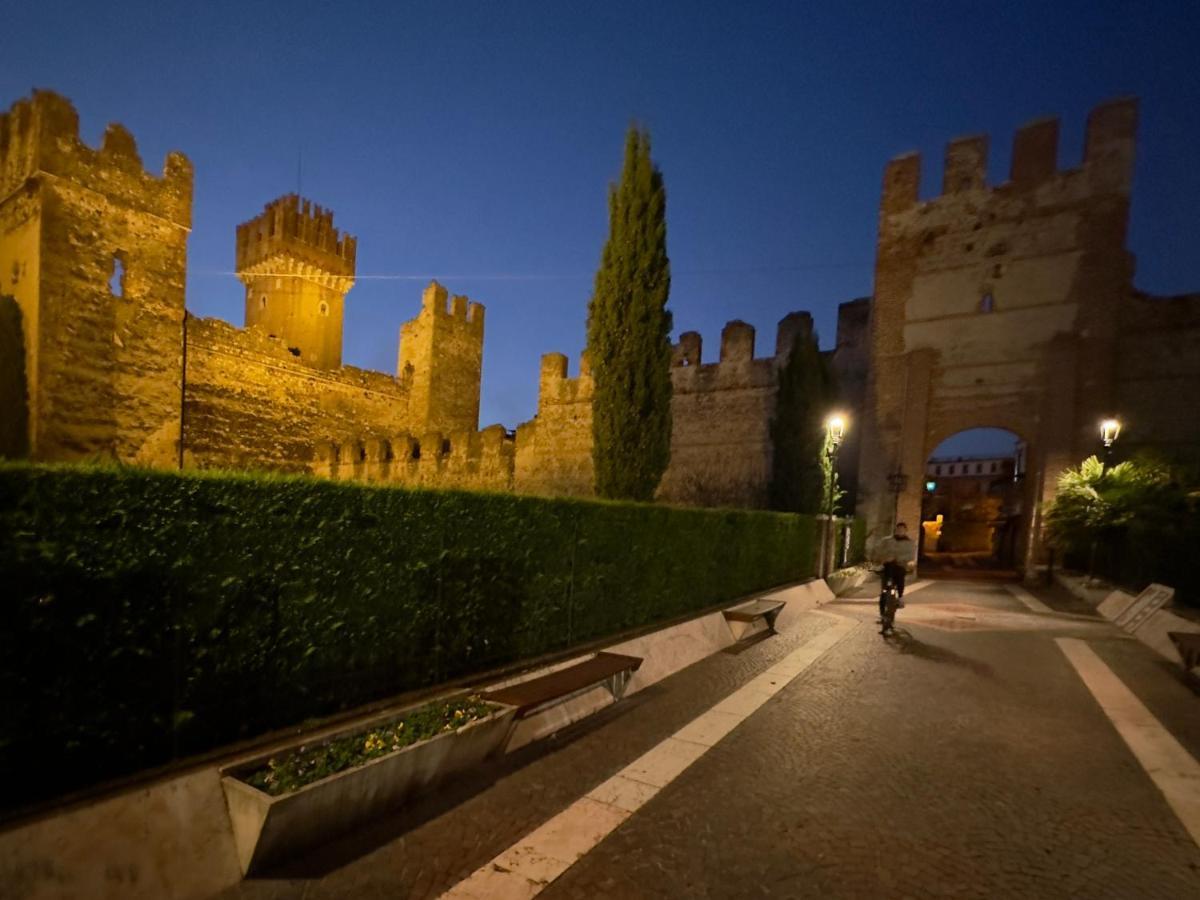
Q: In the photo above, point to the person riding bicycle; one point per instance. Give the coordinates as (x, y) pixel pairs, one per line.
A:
(898, 554)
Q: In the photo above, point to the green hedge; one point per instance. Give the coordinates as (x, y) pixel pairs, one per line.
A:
(151, 615)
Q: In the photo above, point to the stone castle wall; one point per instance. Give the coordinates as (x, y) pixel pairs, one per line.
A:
(472, 460)
(720, 422)
(250, 403)
(1158, 374)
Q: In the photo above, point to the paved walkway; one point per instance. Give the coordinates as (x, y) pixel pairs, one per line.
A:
(973, 754)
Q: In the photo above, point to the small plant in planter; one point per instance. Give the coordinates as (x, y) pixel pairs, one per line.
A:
(294, 769)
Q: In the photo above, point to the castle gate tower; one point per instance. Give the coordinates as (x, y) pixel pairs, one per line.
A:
(998, 306)
(297, 270)
(93, 256)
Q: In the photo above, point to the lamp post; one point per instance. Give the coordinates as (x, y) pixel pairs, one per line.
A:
(835, 432)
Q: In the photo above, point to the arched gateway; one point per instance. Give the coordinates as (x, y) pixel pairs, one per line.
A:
(1012, 307)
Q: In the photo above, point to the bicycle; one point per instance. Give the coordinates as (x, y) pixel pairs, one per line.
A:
(890, 602)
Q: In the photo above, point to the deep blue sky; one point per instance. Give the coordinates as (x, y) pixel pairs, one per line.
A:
(476, 140)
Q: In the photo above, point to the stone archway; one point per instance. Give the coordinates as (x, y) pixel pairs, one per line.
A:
(975, 508)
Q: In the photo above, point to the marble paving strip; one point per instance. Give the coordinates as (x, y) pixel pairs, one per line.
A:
(525, 869)
(1175, 772)
(1030, 602)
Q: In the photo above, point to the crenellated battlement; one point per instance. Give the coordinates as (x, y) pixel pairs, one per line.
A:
(737, 366)
(40, 136)
(1107, 165)
(436, 301)
(294, 231)
(556, 389)
(476, 459)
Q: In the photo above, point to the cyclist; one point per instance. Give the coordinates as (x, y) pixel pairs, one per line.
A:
(898, 554)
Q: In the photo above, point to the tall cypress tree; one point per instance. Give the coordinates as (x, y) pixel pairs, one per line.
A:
(629, 330)
(800, 470)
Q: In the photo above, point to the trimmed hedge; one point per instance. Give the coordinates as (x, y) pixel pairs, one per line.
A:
(152, 615)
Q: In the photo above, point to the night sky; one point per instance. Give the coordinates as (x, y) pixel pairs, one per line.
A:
(475, 142)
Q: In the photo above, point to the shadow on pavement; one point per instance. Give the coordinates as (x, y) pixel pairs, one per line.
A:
(903, 641)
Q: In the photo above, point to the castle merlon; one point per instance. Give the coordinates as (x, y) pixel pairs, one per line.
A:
(1034, 152)
(965, 165)
(737, 341)
(40, 135)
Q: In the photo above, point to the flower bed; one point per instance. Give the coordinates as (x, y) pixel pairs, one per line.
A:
(293, 770)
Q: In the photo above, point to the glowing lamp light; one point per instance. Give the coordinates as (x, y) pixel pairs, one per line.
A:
(931, 486)
(836, 426)
(1110, 429)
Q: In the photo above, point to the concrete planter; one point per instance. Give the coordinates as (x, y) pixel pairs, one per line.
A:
(845, 580)
(267, 829)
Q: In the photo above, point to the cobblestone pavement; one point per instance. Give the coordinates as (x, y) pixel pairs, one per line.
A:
(963, 757)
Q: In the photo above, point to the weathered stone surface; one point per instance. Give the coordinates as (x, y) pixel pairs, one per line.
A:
(1012, 307)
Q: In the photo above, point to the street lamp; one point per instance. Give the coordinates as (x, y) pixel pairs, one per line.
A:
(835, 432)
(1110, 430)
(835, 425)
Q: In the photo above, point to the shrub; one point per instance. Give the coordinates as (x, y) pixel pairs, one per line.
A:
(150, 615)
(1134, 523)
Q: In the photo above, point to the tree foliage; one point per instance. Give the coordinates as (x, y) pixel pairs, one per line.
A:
(802, 466)
(1096, 504)
(629, 331)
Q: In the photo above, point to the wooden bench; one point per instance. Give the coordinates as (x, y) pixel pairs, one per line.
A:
(1188, 645)
(536, 694)
(741, 618)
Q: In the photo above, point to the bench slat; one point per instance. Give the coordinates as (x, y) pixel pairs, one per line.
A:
(533, 693)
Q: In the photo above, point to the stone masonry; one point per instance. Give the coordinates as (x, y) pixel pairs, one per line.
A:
(1009, 306)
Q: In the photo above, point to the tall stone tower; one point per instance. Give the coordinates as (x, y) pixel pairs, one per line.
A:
(93, 252)
(441, 356)
(297, 270)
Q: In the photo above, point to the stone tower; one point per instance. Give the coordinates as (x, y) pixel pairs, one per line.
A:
(297, 270)
(93, 251)
(441, 356)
